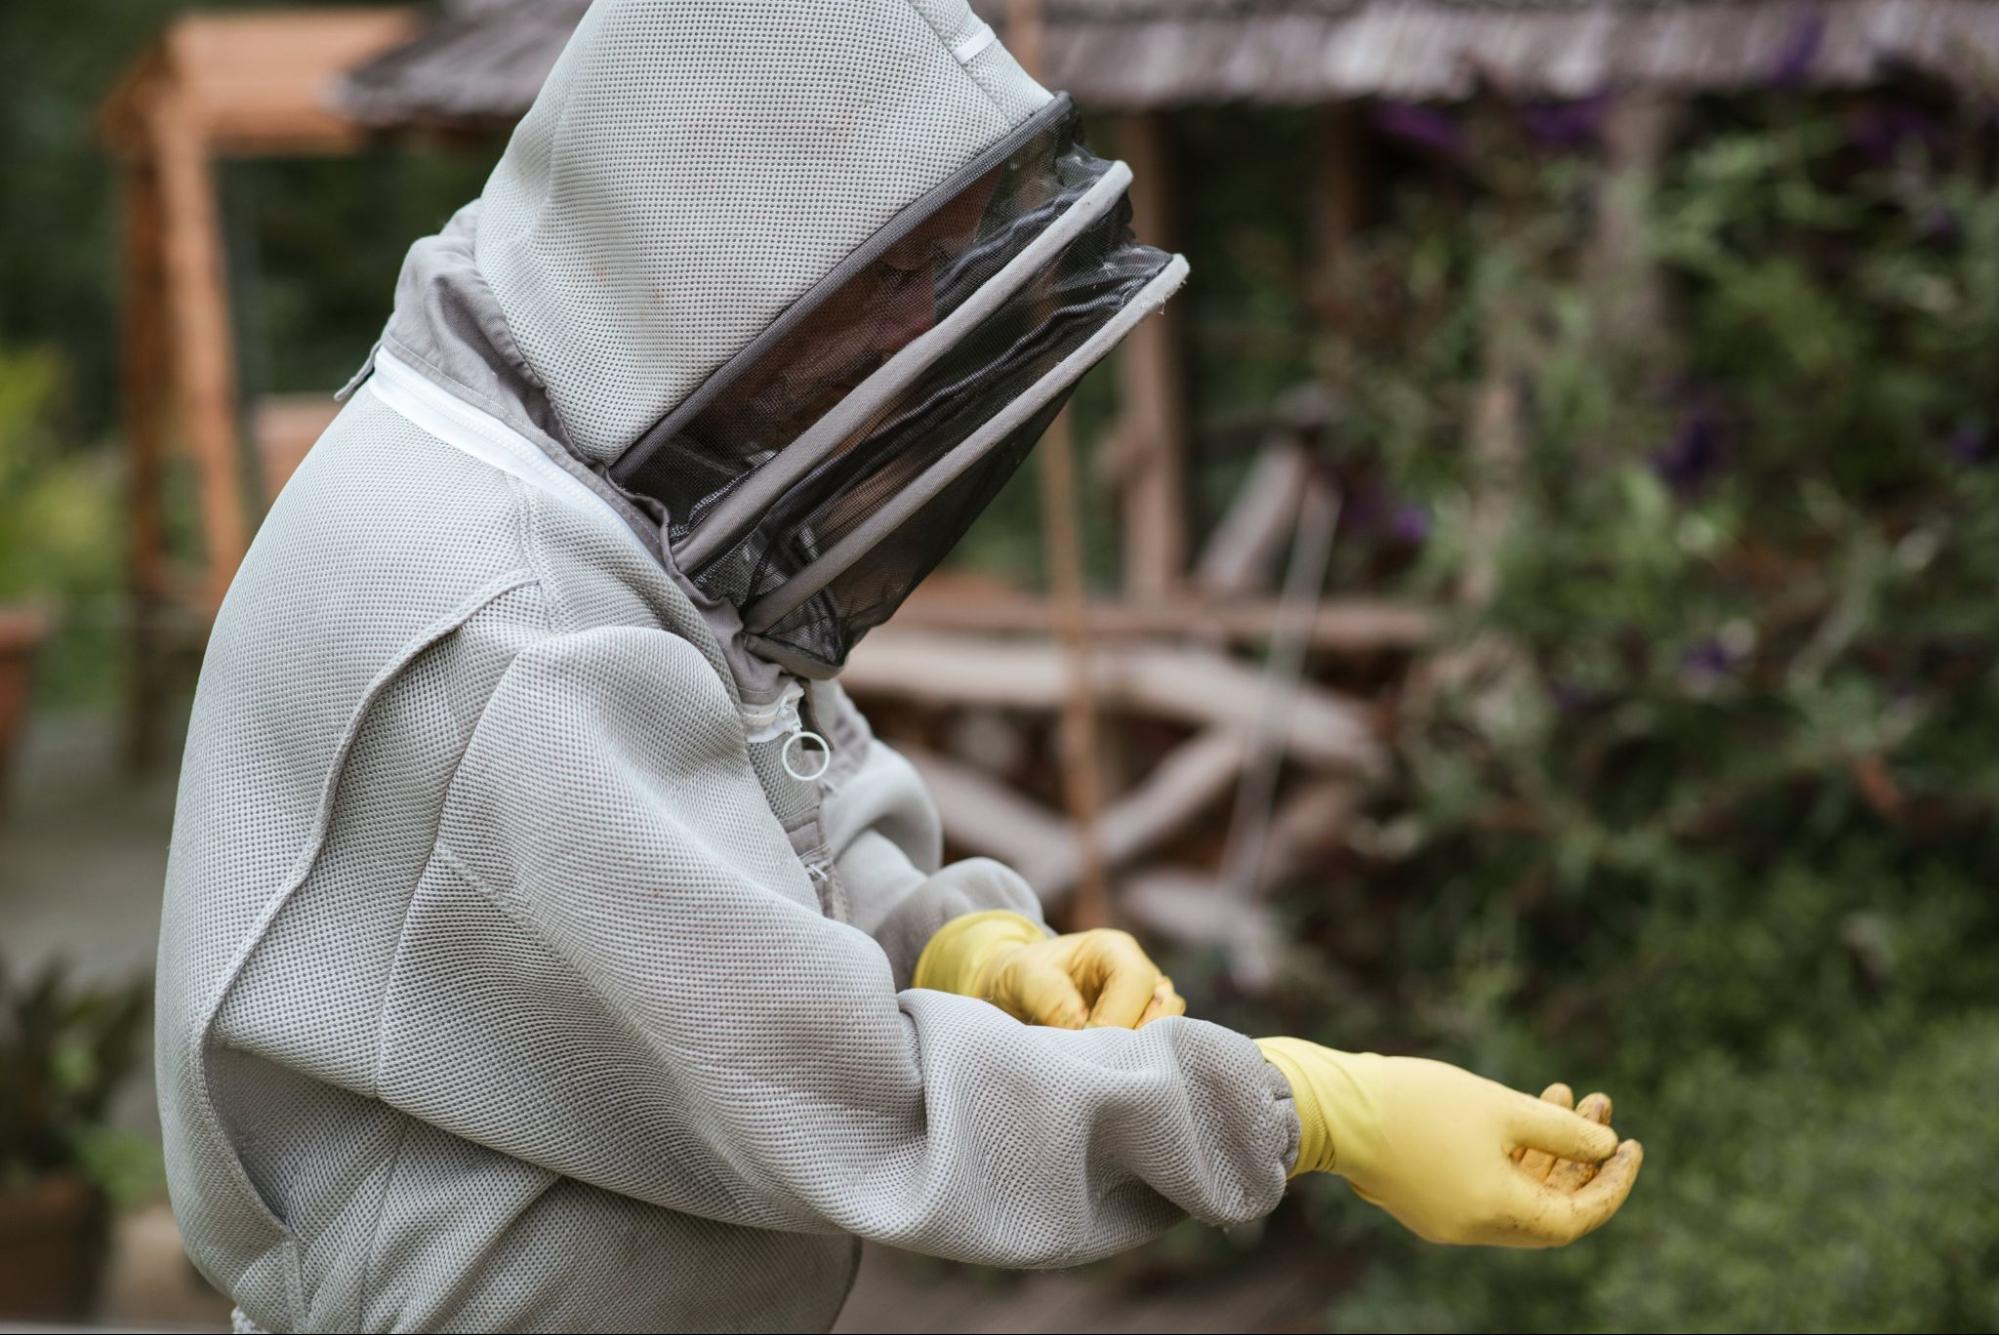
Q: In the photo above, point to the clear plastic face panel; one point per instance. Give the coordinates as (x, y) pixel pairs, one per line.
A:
(917, 281)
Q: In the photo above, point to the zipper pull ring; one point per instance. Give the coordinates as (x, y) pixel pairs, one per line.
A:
(802, 767)
(824, 755)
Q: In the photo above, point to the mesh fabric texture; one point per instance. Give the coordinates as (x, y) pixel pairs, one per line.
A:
(691, 169)
(495, 994)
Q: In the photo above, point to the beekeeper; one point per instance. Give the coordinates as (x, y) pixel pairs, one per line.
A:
(547, 944)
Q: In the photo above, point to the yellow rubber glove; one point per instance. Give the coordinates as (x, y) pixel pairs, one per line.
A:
(1447, 1152)
(1092, 979)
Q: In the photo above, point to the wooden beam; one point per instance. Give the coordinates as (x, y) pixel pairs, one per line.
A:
(1283, 679)
(1624, 279)
(983, 816)
(1062, 533)
(1338, 625)
(1497, 451)
(1242, 551)
(144, 390)
(1309, 823)
(1338, 204)
(1026, 35)
(256, 83)
(1078, 738)
(1188, 907)
(1187, 781)
(1193, 906)
(1191, 685)
(262, 83)
(1151, 439)
(204, 346)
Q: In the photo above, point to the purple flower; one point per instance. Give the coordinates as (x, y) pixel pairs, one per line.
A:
(1879, 128)
(1566, 125)
(1411, 523)
(1707, 665)
(1795, 58)
(1693, 455)
(1939, 223)
(1382, 515)
(1421, 127)
(1571, 698)
(1709, 658)
(1970, 444)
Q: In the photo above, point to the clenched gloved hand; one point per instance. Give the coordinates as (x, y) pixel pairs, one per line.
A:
(1082, 980)
(1454, 1156)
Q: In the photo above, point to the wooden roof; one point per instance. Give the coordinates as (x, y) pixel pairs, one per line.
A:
(257, 82)
(484, 61)
(1151, 53)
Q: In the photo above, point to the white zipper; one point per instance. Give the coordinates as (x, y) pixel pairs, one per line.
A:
(431, 408)
(471, 430)
(806, 755)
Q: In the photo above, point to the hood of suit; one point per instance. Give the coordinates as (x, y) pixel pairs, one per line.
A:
(806, 279)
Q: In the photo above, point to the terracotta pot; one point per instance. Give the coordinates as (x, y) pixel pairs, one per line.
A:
(21, 635)
(52, 1238)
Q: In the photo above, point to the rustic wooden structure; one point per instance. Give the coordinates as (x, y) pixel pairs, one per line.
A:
(484, 63)
(211, 87)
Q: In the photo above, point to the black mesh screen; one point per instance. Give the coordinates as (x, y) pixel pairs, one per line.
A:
(929, 271)
(917, 281)
(826, 626)
(1001, 359)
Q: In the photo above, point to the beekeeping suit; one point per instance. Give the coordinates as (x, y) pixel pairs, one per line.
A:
(540, 921)
(547, 944)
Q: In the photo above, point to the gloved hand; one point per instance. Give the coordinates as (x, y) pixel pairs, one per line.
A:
(1082, 980)
(1448, 1152)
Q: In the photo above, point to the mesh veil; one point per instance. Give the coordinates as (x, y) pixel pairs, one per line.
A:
(1032, 251)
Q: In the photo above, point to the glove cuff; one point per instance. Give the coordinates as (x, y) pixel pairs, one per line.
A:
(963, 949)
(1338, 1120)
(1315, 1145)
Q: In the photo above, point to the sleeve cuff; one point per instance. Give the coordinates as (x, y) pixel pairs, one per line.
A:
(974, 886)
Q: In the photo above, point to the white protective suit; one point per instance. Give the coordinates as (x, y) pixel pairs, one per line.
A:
(509, 979)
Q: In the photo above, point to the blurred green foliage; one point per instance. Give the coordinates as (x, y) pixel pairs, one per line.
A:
(67, 1050)
(315, 246)
(60, 544)
(1698, 808)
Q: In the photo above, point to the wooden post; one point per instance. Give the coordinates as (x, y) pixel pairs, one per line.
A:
(1250, 954)
(1076, 730)
(145, 375)
(198, 317)
(1624, 280)
(1338, 203)
(1025, 36)
(1152, 436)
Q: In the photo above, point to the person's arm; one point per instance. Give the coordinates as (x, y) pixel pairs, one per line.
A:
(973, 927)
(618, 970)
(887, 843)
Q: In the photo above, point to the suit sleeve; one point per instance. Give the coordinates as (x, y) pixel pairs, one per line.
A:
(619, 971)
(886, 841)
